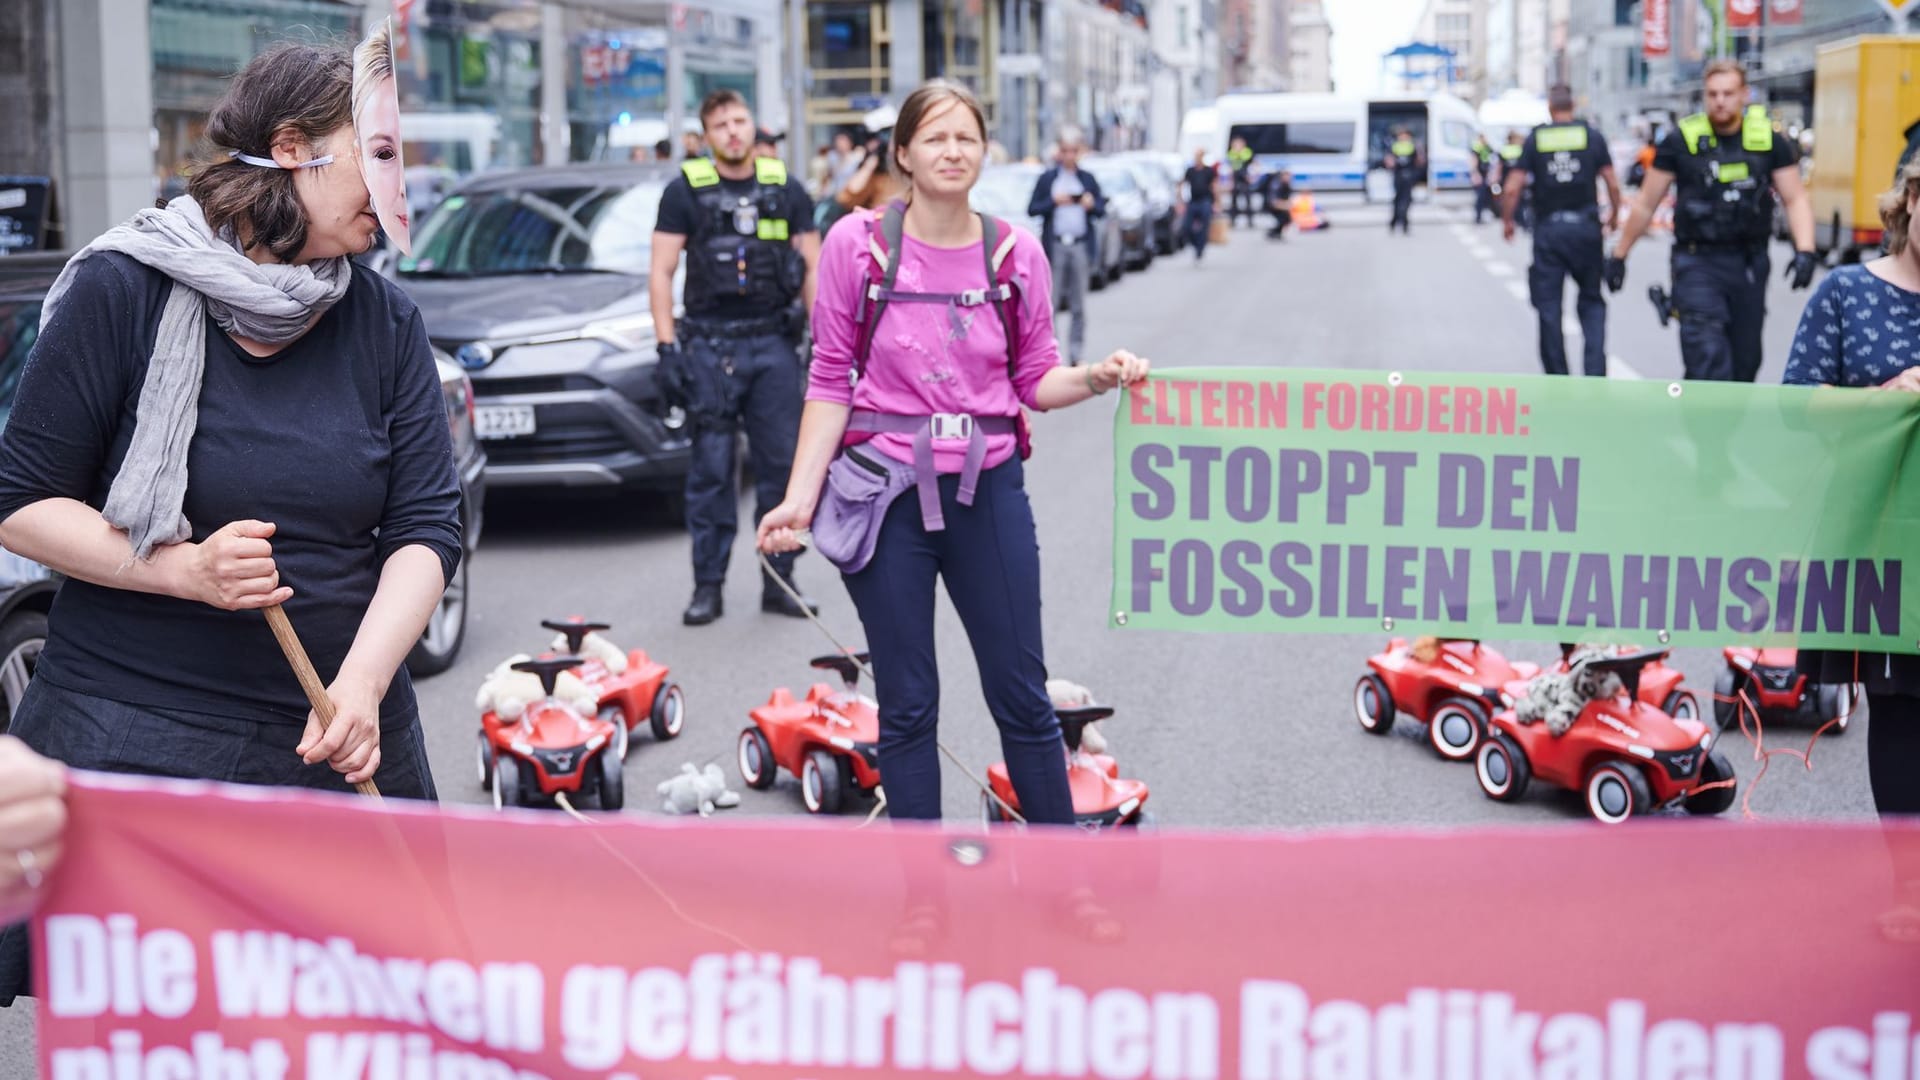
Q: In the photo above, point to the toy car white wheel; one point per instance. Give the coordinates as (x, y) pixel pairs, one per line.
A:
(611, 780)
(755, 758)
(506, 783)
(1373, 705)
(1726, 699)
(821, 783)
(622, 738)
(1716, 800)
(1616, 791)
(1681, 705)
(1837, 702)
(1456, 729)
(669, 711)
(486, 760)
(1502, 768)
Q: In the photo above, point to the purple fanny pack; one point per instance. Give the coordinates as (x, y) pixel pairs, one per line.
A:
(860, 487)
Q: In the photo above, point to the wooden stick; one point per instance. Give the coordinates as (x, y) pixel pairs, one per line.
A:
(309, 680)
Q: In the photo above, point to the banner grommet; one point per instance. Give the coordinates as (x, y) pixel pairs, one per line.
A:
(1673, 390)
(1394, 378)
(1120, 618)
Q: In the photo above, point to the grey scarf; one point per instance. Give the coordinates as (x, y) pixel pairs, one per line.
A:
(272, 303)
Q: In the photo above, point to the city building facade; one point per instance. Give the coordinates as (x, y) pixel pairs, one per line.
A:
(1309, 48)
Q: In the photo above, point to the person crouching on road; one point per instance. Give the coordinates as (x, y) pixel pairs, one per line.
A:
(734, 361)
(1561, 163)
(937, 365)
(1069, 204)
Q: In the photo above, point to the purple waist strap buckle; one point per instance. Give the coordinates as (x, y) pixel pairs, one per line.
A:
(924, 430)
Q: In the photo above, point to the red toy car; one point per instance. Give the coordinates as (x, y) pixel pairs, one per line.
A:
(639, 690)
(829, 739)
(550, 748)
(1101, 799)
(1771, 681)
(1659, 684)
(1624, 755)
(1453, 691)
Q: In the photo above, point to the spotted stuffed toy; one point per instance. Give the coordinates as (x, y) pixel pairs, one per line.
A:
(1558, 698)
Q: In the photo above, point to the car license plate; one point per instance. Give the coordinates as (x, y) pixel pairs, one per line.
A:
(502, 421)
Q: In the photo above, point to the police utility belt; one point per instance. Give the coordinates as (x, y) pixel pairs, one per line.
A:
(759, 326)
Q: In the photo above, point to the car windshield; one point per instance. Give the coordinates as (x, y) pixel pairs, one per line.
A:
(1114, 177)
(19, 328)
(603, 228)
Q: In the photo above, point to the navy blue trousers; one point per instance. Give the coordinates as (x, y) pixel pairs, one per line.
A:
(989, 556)
(751, 383)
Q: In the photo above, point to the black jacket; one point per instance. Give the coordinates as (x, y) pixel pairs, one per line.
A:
(1041, 206)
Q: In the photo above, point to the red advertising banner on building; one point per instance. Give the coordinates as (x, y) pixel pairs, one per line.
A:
(1784, 12)
(194, 931)
(1743, 14)
(1656, 28)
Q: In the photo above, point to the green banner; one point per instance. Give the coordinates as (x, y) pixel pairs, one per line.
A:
(1557, 509)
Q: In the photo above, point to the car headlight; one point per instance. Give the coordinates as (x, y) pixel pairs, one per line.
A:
(629, 332)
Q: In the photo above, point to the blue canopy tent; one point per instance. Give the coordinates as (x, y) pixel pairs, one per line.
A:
(1435, 65)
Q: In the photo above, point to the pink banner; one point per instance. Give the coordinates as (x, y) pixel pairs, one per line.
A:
(205, 933)
(1656, 29)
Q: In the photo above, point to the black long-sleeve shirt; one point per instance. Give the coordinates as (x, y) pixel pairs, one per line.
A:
(340, 439)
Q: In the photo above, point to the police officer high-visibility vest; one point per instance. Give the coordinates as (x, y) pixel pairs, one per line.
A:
(742, 244)
(1723, 186)
(1510, 153)
(1240, 158)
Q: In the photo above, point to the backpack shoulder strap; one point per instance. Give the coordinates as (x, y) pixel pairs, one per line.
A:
(883, 242)
(997, 240)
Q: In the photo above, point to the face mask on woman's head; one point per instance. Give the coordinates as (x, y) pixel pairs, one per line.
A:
(376, 134)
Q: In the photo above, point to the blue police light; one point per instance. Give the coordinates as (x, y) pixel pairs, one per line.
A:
(626, 117)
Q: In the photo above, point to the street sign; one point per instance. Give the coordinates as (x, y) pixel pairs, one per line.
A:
(23, 214)
(1899, 8)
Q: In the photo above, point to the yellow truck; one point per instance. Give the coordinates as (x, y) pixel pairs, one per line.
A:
(1866, 94)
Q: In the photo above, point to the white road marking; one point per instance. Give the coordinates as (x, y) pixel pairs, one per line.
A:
(1519, 291)
(1500, 269)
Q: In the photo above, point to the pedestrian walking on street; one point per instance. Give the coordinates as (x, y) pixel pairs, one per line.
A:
(1562, 163)
(964, 347)
(733, 361)
(1859, 330)
(1483, 182)
(1407, 164)
(1201, 186)
(1240, 161)
(318, 473)
(1726, 165)
(1068, 201)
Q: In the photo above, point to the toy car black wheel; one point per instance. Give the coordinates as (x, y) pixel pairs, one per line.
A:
(1616, 791)
(486, 761)
(1373, 705)
(1457, 727)
(755, 758)
(669, 711)
(611, 780)
(822, 782)
(990, 811)
(622, 738)
(1716, 769)
(1726, 699)
(1837, 702)
(1141, 819)
(506, 783)
(1503, 769)
(1681, 705)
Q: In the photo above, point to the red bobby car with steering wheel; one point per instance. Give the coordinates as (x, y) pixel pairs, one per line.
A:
(829, 739)
(1452, 685)
(1659, 684)
(1770, 681)
(1101, 799)
(1625, 756)
(550, 748)
(632, 687)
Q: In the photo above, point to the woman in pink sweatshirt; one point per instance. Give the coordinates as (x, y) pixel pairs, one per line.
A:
(937, 377)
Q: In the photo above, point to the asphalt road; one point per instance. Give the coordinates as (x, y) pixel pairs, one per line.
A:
(1249, 732)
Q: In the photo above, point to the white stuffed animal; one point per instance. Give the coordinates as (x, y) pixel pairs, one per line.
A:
(699, 790)
(507, 693)
(1071, 695)
(594, 647)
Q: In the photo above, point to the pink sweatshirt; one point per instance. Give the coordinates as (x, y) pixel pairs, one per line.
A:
(928, 357)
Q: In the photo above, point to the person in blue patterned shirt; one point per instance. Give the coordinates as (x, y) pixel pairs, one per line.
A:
(1862, 329)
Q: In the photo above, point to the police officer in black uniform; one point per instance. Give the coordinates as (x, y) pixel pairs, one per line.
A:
(1728, 165)
(1562, 161)
(1407, 164)
(733, 362)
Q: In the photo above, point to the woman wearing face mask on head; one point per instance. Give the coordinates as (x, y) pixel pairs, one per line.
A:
(223, 413)
(937, 358)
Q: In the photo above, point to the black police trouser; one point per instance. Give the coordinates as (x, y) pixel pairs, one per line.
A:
(1483, 201)
(752, 382)
(1402, 205)
(1569, 247)
(1721, 297)
(1242, 201)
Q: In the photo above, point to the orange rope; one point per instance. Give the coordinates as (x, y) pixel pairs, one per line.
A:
(1757, 736)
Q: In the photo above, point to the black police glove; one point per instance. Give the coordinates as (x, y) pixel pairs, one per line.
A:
(1615, 274)
(674, 375)
(1800, 271)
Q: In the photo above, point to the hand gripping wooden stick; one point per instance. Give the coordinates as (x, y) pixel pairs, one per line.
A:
(309, 679)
